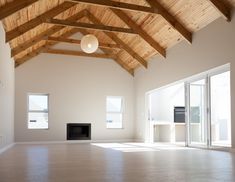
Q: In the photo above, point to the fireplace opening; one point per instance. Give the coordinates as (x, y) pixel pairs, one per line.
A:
(78, 131)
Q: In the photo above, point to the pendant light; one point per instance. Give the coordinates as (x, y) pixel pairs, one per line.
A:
(89, 43)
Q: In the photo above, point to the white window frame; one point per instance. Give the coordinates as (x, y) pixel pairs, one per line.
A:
(37, 111)
(121, 112)
(207, 76)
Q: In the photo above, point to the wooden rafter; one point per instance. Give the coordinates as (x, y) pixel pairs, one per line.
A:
(31, 55)
(223, 9)
(116, 39)
(75, 41)
(118, 5)
(13, 7)
(171, 20)
(18, 31)
(46, 46)
(78, 53)
(42, 48)
(44, 35)
(90, 26)
(120, 62)
(124, 17)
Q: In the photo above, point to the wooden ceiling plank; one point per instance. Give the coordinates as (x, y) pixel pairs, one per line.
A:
(222, 8)
(44, 35)
(18, 31)
(124, 17)
(186, 34)
(75, 41)
(78, 53)
(118, 5)
(90, 26)
(116, 39)
(14, 6)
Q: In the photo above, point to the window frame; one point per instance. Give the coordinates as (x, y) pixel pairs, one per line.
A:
(121, 112)
(37, 111)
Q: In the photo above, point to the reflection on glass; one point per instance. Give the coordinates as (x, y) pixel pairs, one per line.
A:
(197, 112)
(220, 110)
(114, 120)
(38, 120)
(114, 104)
(114, 112)
(38, 111)
(38, 102)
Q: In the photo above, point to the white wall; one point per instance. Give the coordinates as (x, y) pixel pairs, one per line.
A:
(77, 90)
(6, 93)
(212, 46)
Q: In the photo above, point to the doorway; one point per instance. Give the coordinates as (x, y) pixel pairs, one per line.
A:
(208, 104)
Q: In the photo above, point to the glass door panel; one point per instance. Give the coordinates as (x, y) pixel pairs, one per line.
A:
(197, 113)
(220, 110)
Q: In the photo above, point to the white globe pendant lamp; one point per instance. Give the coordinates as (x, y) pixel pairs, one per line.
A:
(89, 43)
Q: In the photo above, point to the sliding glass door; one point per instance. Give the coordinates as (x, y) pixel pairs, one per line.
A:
(220, 110)
(209, 111)
(197, 120)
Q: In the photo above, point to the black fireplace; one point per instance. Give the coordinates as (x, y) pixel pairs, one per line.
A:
(78, 131)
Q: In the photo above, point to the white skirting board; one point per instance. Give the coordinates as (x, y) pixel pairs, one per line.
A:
(6, 148)
(77, 141)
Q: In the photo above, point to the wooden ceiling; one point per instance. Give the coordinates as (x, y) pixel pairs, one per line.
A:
(129, 31)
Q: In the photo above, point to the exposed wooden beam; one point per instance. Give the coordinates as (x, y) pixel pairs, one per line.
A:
(78, 53)
(75, 41)
(46, 49)
(31, 55)
(187, 35)
(117, 40)
(31, 42)
(13, 7)
(43, 47)
(124, 17)
(118, 5)
(18, 31)
(44, 35)
(90, 26)
(120, 62)
(124, 66)
(222, 8)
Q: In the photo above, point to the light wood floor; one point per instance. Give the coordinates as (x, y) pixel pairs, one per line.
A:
(129, 162)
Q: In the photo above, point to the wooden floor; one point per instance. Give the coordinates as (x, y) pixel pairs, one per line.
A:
(113, 162)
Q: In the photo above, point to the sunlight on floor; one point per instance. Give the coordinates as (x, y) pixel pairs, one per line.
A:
(140, 147)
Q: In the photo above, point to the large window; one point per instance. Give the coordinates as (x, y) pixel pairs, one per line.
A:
(37, 111)
(209, 109)
(114, 112)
